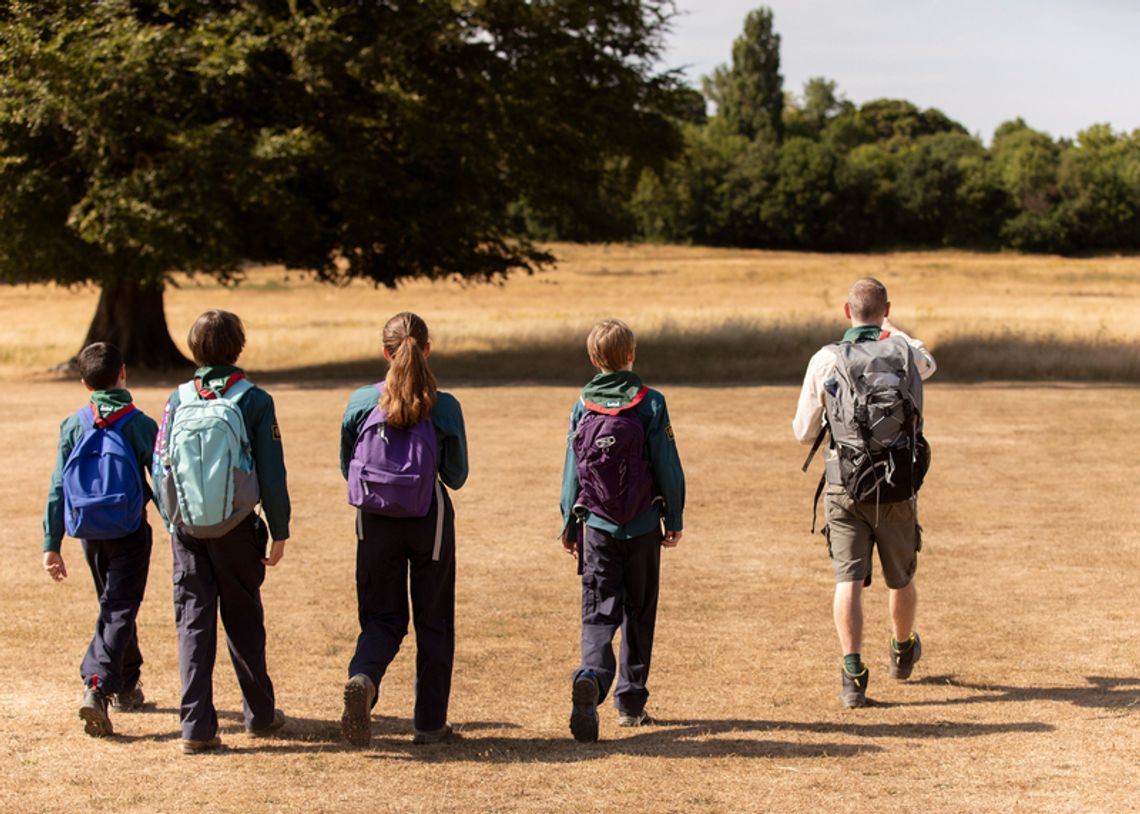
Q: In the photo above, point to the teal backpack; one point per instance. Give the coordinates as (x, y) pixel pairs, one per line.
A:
(205, 462)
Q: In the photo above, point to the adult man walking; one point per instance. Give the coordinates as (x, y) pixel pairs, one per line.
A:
(866, 392)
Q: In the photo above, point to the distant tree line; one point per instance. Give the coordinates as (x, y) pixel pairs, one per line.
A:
(814, 171)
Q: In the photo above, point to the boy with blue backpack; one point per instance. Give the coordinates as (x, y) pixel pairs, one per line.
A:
(98, 494)
(219, 454)
(622, 478)
(401, 442)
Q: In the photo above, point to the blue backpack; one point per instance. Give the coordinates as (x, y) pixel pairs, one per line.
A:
(103, 495)
(612, 465)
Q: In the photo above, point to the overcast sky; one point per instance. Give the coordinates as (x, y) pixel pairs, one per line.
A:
(1059, 64)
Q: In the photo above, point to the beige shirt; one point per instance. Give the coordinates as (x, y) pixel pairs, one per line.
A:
(809, 412)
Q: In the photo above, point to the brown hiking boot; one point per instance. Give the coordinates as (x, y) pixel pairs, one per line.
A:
(356, 720)
(903, 661)
(193, 747)
(444, 733)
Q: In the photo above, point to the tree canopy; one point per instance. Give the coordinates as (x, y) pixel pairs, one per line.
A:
(357, 140)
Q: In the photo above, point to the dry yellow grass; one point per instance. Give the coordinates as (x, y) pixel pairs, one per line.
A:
(702, 314)
(1027, 697)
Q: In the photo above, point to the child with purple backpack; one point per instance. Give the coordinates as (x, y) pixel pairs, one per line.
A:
(402, 440)
(621, 479)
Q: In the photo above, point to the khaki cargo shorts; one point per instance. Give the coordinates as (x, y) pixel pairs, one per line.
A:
(852, 533)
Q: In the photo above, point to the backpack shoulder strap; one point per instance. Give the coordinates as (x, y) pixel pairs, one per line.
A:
(86, 416)
(187, 392)
(235, 389)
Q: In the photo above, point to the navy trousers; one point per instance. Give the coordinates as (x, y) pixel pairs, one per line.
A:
(225, 572)
(620, 580)
(119, 568)
(386, 548)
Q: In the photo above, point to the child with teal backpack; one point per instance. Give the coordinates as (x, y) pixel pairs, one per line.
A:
(98, 494)
(217, 456)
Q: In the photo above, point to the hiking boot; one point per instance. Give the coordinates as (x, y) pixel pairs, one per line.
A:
(356, 720)
(584, 712)
(93, 711)
(854, 691)
(634, 718)
(444, 733)
(903, 661)
(131, 700)
(193, 747)
(279, 720)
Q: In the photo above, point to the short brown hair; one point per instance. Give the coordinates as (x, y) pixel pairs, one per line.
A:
(99, 365)
(216, 338)
(868, 299)
(610, 343)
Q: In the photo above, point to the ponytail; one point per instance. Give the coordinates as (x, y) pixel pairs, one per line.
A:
(410, 387)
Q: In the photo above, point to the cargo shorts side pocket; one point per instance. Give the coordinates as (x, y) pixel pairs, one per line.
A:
(826, 532)
(589, 596)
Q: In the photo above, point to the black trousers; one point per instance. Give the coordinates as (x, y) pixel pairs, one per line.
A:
(119, 568)
(620, 580)
(225, 572)
(386, 549)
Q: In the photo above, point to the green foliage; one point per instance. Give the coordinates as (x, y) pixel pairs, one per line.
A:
(375, 140)
(749, 94)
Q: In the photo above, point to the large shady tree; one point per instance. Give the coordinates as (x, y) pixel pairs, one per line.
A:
(375, 139)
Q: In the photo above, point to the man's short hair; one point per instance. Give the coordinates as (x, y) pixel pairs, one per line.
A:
(610, 343)
(99, 365)
(216, 338)
(868, 300)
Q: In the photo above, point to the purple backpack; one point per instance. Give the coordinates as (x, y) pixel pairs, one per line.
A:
(613, 470)
(393, 471)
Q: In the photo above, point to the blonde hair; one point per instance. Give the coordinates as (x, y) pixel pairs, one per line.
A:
(410, 388)
(868, 300)
(610, 344)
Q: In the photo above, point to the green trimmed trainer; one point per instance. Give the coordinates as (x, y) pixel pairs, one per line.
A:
(854, 689)
(904, 659)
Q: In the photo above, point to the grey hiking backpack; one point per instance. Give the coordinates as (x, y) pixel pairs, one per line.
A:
(873, 410)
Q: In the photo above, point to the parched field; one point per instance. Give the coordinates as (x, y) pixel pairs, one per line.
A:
(1027, 697)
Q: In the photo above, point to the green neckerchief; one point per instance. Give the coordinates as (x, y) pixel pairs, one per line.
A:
(863, 333)
(215, 377)
(612, 390)
(110, 401)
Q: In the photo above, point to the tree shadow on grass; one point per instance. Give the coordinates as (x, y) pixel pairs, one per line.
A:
(1111, 693)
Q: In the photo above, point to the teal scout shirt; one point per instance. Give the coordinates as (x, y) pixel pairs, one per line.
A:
(140, 433)
(615, 390)
(446, 418)
(265, 441)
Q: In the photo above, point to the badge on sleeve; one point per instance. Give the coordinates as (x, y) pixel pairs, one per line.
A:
(276, 432)
(669, 432)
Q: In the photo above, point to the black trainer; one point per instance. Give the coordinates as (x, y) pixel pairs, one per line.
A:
(854, 689)
(93, 711)
(584, 712)
(903, 661)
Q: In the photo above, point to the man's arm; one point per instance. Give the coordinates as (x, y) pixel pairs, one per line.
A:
(923, 360)
(808, 420)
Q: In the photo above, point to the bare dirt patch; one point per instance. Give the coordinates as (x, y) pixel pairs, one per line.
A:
(1027, 697)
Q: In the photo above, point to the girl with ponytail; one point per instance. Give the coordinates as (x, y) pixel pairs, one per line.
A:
(402, 441)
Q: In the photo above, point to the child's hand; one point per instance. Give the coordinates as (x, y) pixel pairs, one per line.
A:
(671, 539)
(53, 564)
(569, 545)
(275, 553)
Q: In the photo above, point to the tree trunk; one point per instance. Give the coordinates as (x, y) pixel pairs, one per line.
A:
(131, 317)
